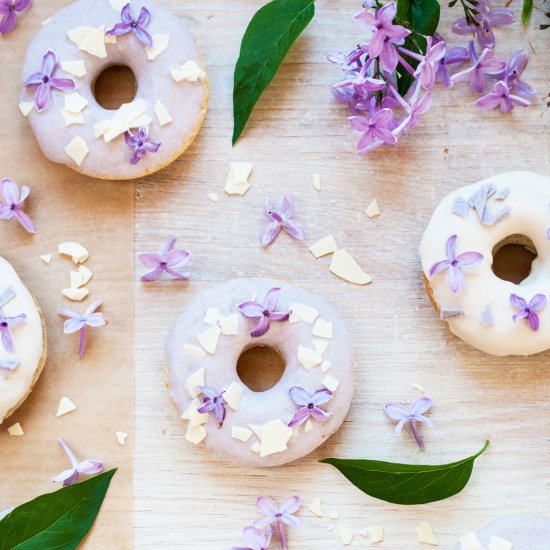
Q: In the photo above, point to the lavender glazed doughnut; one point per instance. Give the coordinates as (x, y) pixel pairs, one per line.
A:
(57, 95)
(247, 427)
(510, 533)
(23, 347)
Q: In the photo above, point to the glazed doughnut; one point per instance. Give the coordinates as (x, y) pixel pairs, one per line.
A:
(247, 427)
(512, 532)
(22, 341)
(468, 226)
(74, 47)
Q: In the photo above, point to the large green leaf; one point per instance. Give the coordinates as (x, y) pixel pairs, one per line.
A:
(526, 11)
(55, 521)
(267, 40)
(422, 18)
(407, 483)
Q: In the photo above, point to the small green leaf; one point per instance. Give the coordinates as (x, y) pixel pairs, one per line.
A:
(58, 520)
(407, 483)
(527, 11)
(267, 40)
(422, 18)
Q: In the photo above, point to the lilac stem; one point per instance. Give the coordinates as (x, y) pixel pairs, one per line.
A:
(416, 433)
(414, 55)
(407, 67)
(68, 452)
(82, 342)
(282, 534)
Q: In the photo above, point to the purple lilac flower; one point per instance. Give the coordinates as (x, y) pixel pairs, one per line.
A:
(528, 311)
(86, 467)
(9, 9)
(501, 97)
(6, 323)
(170, 261)
(265, 312)
(309, 405)
(77, 322)
(280, 219)
(410, 416)
(278, 516)
(482, 65)
(358, 85)
(415, 107)
(385, 35)
(137, 26)
(516, 65)
(486, 19)
(428, 63)
(213, 402)
(12, 203)
(141, 144)
(257, 539)
(374, 128)
(456, 264)
(45, 80)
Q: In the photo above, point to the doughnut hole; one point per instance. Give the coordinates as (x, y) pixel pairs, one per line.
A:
(513, 258)
(113, 86)
(260, 368)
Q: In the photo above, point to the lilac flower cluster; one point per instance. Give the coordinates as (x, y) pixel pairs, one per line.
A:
(379, 113)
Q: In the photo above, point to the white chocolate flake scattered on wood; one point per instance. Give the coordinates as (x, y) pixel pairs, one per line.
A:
(316, 508)
(373, 209)
(209, 339)
(469, 541)
(275, 436)
(76, 68)
(346, 535)
(232, 188)
(375, 533)
(345, 267)
(242, 434)
(214, 197)
(76, 279)
(46, 258)
(77, 150)
(160, 43)
(85, 273)
(324, 246)
(230, 325)
(163, 116)
(304, 313)
(498, 543)
(322, 329)
(195, 434)
(189, 71)
(241, 171)
(330, 528)
(16, 429)
(65, 406)
(317, 182)
(196, 379)
(75, 251)
(75, 294)
(233, 395)
(121, 438)
(425, 534)
(417, 386)
(333, 514)
(308, 358)
(193, 351)
(26, 107)
(330, 383)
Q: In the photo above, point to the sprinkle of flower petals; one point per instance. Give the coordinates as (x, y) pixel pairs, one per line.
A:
(45, 81)
(12, 203)
(170, 261)
(9, 365)
(516, 65)
(265, 312)
(502, 98)
(278, 517)
(6, 324)
(487, 318)
(79, 323)
(86, 467)
(410, 416)
(529, 310)
(309, 405)
(256, 539)
(9, 10)
(136, 26)
(281, 218)
(213, 402)
(454, 265)
(141, 144)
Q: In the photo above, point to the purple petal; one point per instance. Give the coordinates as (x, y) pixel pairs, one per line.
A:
(523, 89)
(120, 29)
(287, 207)
(438, 267)
(7, 340)
(8, 22)
(261, 328)
(517, 100)
(251, 309)
(320, 415)
(521, 315)
(207, 406)
(22, 5)
(477, 81)
(92, 307)
(291, 521)
(376, 45)
(67, 477)
(143, 36)
(266, 506)
(461, 26)
(151, 146)
(144, 18)
(455, 277)
(257, 538)
(279, 316)
(487, 102)
(270, 233)
(149, 259)
(176, 258)
(366, 21)
(153, 275)
(494, 66)
(126, 15)
(518, 62)
(501, 17)
(72, 325)
(301, 415)
(425, 420)
(95, 320)
(272, 298)
(537, 302)
(386, 14)
(533, 321)
(450, 246)
(5, 6)
(25, 221)
(25, 192)
(43, 97)
(219, 412)
(320, 397)
(48, 64)
(90, 467)
(421, 405)
(300, 396)
(456, 55)
(359, 123)
(63, 84)
(33, 80)
(10, 191)
(485, 35)
(385, 135)
(469, 259)
(518, 302)
(389, 57)
(399, 426)
(396, 411)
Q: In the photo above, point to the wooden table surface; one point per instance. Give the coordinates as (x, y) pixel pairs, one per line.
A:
(186, 499)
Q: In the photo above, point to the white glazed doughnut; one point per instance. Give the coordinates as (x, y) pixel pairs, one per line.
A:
(172, 88)
(520, 532)
(493, 315)
(22, 341)
(203, 348)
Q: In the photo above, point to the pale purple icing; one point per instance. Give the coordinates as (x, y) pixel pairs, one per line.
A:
(183, 100)
(258, 408)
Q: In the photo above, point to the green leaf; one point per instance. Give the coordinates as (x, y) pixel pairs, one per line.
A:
(55, 521)
(422, 18)
(267, 40)
(407, 483)
(526, 11)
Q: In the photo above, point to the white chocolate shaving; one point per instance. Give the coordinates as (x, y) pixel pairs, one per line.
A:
(325, 365)
(85, 273)
(90, 40)
(213, 197)
(345, 267)
(76, 68)
(425, 534)
(195, 434)
(76, 251)
(65, 406)
(275, 436)
(315, 507)
(230, 325)
(121, 438)
(196, 379)
(213, 316)
(242, 434)
(320, 346)
(304, 313)
(308, 357)
(75, 103)
(324, 246)
(373, 209)
(163, 116)
(193, 351)
(72, 118)
(330, 383)
(209, 339)
(75, 294)
(233, 395)
(237, 179)
(308, 426)
(16, 429)
(322, 329)
(46, 258)
(375, 533)
(317, 182)
(26, 107)
(160, 43)
(189, 71)
(346, 535)
(469, 541)
(334, 514)
(498, 543)
(77, 150)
